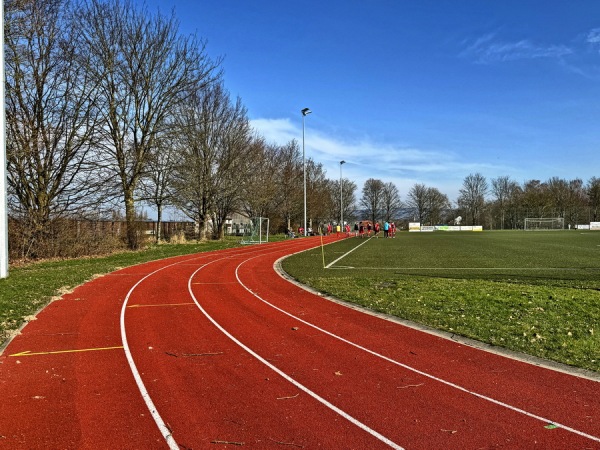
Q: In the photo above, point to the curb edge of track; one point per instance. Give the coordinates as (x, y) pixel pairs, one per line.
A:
(523, 357)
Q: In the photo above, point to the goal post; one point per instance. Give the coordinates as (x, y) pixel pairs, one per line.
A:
(257, 231)
(544, 223)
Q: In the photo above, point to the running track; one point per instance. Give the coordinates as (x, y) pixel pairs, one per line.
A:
(216, 350)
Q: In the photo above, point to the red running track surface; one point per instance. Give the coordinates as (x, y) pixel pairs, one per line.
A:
(216, 350)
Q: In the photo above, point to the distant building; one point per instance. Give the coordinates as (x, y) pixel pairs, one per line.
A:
(237, 224)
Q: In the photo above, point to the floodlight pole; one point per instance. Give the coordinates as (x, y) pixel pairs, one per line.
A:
(305, 112)
(341, 198)
(3, 181)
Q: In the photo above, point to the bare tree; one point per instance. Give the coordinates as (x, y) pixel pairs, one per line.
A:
(503, 189)
(472, 196)
(144, 70)
(558, 194)
(437, 205)
(348, 200)
(513, 216)
(217, 155)
(592, 190)
(577, 201)
(372, 195)
(428, 204)
(390, 202)
(50, 117)
(156, 186)
(535, 200)
(417, 201)
(260, 189)
(235, 161)
(274, 187)
(201, 121)
(287, 171)
(317, 193)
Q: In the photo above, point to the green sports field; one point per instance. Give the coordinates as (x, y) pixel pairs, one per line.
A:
(534, 292)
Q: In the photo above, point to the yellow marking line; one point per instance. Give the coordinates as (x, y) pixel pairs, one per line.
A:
(29, 353)
(162, 304)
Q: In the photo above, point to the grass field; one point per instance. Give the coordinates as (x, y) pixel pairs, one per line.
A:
(533, 292)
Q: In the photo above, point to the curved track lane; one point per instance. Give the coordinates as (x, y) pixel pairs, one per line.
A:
(216, 350)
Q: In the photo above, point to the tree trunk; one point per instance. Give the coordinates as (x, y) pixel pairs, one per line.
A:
(158, 222)
(132, 235)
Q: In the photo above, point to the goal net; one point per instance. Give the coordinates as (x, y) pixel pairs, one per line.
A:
(544, 223)
(257, 232)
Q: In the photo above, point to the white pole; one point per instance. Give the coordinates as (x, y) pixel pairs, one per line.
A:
(304, 174)
(341, 199)
(3, 207)
(305, 112)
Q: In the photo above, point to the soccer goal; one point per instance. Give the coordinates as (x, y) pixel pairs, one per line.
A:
(257, 232)
(544, 223)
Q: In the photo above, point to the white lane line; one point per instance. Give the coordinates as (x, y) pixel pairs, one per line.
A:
(425, 374)
(287, 377)
(346, 254)
(164, 430)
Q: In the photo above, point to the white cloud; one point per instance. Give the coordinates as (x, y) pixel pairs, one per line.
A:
(490, 49)
(367, 158)
(277, 131)
(593, 39)
(593, 36)
(325, 148)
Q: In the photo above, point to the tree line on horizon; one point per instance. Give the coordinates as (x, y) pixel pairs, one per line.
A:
(502, 203)
(110, 109)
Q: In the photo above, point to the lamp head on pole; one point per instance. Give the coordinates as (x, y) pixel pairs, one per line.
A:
(306, 111)
(342, 162)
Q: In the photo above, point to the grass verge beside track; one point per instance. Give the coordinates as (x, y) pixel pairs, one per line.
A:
(536, 293)
(30, 287)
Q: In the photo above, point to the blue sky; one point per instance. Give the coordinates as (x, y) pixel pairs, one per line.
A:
(415, 91)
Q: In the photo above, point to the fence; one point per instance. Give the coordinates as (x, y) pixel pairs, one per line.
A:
(74, 238)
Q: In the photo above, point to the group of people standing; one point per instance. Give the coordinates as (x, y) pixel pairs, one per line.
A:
(365, 228)
(361, 229)
(338, 229)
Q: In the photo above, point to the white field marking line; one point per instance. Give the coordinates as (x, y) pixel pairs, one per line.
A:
(164, 430)
(346, 254)
(425, 374)
(284, 375)
(468, 268)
